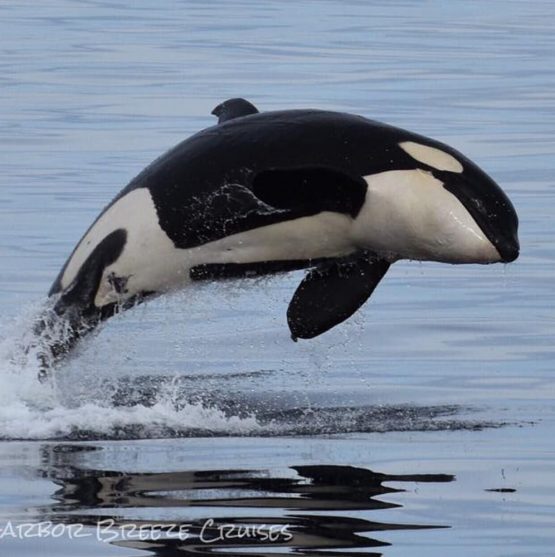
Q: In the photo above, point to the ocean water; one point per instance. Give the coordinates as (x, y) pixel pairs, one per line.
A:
(193, 424)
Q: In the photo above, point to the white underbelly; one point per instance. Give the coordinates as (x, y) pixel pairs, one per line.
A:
(326, 234)
(154, 264)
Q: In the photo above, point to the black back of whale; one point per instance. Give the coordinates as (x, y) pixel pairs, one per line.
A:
(321, 156)
(300, 161)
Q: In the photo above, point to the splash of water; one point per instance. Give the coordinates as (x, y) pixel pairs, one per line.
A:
(82, 400)
(35, 409)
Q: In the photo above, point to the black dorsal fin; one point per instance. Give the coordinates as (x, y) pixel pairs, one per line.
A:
(234, 108)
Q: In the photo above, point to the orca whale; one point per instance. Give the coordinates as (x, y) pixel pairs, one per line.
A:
(265, 193)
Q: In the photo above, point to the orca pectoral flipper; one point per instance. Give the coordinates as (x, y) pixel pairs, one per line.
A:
(332, 293)
(316, 189)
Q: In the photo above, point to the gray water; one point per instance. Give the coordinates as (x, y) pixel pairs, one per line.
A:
(422, 426)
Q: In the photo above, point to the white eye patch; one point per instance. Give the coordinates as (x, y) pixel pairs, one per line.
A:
(431, 156)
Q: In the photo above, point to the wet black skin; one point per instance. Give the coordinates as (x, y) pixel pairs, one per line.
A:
(254, 169)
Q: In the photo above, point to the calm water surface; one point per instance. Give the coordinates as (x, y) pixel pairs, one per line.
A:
(423, 426)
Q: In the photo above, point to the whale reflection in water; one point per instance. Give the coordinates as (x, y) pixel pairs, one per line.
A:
(304, 510)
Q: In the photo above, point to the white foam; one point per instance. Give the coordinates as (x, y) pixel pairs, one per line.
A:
(30, 409)
(19, 420)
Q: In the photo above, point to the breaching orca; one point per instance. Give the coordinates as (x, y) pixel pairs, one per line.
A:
(265, 193)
